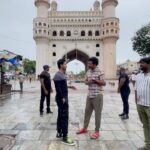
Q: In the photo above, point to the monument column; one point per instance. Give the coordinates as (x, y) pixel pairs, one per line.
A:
(41, 34)
(109, 37)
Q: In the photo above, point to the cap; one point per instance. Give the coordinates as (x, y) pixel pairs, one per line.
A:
(46, 67)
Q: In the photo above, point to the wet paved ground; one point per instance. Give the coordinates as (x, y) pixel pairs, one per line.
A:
(19, 115)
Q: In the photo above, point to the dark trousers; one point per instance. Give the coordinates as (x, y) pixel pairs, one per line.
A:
(63, 115)
(21, 86)
(125, 98)
(43, 99)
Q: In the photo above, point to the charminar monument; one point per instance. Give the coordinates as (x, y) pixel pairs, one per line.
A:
(76, 35)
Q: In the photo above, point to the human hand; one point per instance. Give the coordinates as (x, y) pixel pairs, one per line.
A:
(90, 81)
(73, 88)
(46, 92)
(63, 100)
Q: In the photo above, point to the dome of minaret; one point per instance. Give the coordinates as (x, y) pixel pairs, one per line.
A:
(96, 3)
(53, 2)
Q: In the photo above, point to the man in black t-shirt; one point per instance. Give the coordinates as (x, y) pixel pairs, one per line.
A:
(46, 89)
(124, 90)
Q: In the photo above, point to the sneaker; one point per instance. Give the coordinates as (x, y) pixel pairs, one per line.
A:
(68, 141)
(49, 111)
(95, 135)
(124, 117)
(81, 131)
(121, 114)
(59, 135)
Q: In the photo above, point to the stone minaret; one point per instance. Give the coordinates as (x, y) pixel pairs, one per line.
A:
(96, 5)
(53, 5)
(109, 37)
(41, 33)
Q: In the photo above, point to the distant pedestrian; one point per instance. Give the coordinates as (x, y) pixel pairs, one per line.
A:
(62, 102)
(46, 89)
(21, 78)
(142, 98)
(124, 90)
(30, 78)
(133, 78)
(95, 81)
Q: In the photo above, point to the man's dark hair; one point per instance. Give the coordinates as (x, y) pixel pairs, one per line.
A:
(122, 69)
(146, 60)
(60, 62)
(94, 60)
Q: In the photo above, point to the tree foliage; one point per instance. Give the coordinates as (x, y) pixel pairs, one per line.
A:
(29, 66)
(81, 74)
(141, 41)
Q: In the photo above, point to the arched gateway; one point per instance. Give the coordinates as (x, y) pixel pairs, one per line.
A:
(76, 35)
(78, 55)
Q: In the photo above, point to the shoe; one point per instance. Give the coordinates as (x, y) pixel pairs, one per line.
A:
(68, 141)
(49, 112)
(95, 135)
(59, 135)
(124, 117)
(121, 114)
(41, 113)
(81, 131)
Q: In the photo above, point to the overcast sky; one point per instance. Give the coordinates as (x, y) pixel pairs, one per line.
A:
(16, 17)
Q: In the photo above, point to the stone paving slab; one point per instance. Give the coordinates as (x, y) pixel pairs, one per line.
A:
(19, 115)
(6, 142)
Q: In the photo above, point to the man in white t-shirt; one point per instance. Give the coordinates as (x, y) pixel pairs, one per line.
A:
(21, 80)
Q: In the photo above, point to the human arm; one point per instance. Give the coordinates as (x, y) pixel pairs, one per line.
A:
(43, 86)
(72, 87)
(121, 83)
(100, 82)
(88, 81)
(51, 89)
(135, 96)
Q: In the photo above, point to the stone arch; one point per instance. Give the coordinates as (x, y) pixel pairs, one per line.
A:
(79, 55)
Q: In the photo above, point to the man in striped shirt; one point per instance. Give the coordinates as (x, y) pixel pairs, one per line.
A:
(142, 97)
(95, 81)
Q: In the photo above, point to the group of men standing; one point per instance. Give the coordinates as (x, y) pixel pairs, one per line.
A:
(94, 78)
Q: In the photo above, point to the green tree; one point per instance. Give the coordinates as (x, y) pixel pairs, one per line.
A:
(81, 74)
(29, 66)
(141, 41)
